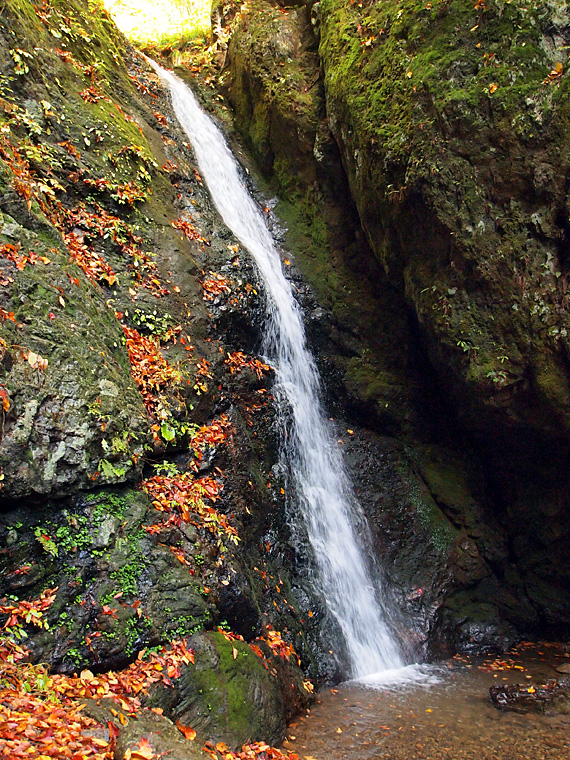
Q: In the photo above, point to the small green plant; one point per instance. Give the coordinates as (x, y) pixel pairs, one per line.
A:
(113, 504)
(151, 321)
(94, 408)
(127, 576)
(132, 635)
(466, 346)
(182, 626)
(75, 535)
(47, 542)
(110, 470)
(108, 598)
(119, 443)
(75, 656)
(166, 468)
(38, 680)
(497, 376)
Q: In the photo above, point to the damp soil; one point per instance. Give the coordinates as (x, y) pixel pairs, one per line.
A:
(448, 716)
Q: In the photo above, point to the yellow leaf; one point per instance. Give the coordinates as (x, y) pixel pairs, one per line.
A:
(492, 87)
(36, 361)
(531, 689)
(142, 754)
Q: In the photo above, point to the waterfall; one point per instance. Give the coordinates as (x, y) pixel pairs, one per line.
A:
(328, 506)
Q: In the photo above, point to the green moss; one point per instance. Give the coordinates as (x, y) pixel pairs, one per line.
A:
(231, 693)
(441, 532)
(398, 63)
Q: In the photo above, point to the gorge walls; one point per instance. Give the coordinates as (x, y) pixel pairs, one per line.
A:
(422, 153)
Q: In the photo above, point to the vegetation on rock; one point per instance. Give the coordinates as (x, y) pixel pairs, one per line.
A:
(118, 402)
(445, 327)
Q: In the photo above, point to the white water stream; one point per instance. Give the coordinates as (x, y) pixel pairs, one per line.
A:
(330, 511)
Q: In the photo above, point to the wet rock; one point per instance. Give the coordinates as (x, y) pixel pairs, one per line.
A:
(552, 698)
(445, 323)
(162, 735)
(232, 695)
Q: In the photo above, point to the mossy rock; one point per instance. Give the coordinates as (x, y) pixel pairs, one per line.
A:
(451, 125)
(83, 408)
(230, 694)
(114, 579)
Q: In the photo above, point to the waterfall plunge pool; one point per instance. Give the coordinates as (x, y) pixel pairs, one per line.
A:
(446, 715)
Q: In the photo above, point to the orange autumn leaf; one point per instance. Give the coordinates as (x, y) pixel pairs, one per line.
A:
(141, 751)
(5, 398)
(188, 732)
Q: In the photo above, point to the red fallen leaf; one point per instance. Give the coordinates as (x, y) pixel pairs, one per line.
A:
(7, 315)
(106, 610)
(5, 398)
(24, 570)
(51, 315)
(188, 732)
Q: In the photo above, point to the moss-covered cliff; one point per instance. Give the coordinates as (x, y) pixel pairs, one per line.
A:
(135, 445)
(434, 232)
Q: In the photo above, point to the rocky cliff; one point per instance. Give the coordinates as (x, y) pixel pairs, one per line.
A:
(138, 510)
(419, 151)
(424, 181)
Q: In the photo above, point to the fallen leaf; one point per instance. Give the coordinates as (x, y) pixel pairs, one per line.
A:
(188, 732)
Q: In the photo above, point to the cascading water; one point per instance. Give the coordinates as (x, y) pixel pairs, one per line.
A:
(328, 506)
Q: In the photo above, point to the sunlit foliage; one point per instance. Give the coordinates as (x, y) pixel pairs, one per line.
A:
(161, 22)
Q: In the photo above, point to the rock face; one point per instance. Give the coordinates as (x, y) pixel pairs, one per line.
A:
(53, 414)
(433, 230)
(133, 461)
(551, 698)
(436, 271)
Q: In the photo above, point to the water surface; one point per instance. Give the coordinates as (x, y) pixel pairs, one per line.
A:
(450, 718)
